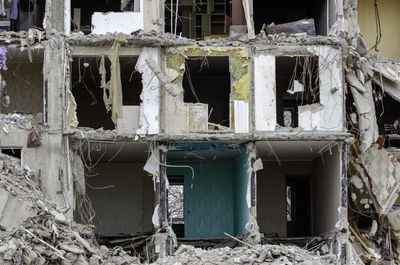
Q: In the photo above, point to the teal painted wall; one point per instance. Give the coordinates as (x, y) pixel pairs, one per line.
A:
(241, 178)
(209, 206)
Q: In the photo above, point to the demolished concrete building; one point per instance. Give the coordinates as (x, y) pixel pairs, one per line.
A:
(192, 122)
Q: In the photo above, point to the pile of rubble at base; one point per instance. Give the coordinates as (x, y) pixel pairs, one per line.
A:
(45, 236)
(260, 254)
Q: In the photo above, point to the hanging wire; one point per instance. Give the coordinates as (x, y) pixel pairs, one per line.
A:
(378, 27)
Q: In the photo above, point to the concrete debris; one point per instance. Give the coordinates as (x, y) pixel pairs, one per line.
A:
(154, 39)
(16, 121)
(354, 82)
(302, 26)
(374, 228)
(35, 231)
(252, 234)
(385, 73)
(163, 79)
(394, 219)
(357, 182)
(260, 254)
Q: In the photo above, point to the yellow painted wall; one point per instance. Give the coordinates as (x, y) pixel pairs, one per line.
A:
(389, 11)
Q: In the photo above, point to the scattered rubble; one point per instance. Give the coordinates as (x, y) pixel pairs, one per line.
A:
(45, 235)
(17, 121)
(260, 254)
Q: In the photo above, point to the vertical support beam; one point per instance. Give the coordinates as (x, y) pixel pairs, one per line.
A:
(153, 14)
(253, 183)
(238, 17)
(205, 25)
(192, 25)
(54, 178)
(265, 98)
(77, 18)
(343, 157)
(57, 15)
(342, 238)
(186, 12)
(163, 190)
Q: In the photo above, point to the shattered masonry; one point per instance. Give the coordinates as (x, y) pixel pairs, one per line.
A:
(193, 132)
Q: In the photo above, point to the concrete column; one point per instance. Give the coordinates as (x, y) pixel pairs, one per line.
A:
(238, 17)
(58, 15)
(153, 11)
(56, 180)
(163, 191)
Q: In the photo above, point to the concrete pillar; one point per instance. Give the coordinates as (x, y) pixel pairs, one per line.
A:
(56, 180)
(153, 11)
(238, 26)
(58, 15)
(238, 17)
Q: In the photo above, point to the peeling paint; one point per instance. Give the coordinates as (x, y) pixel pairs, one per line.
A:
(71, 120)
(149, 108)
(198, 117)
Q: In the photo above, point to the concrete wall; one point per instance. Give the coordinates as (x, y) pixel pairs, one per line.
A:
(271, 194)
(117, 22)
(49, 171)
(241, 180)
(24, 86)
(125, 208)
(149, 17)
(326, 187)
(54, 180)
(390, 19)
(57, 15)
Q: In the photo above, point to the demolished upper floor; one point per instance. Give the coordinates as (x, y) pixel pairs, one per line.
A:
(198, 92)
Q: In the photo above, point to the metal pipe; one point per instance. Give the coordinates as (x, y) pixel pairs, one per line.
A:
(176, 16)
(172, 16)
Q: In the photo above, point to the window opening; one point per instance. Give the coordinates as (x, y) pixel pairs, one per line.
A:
(82, 11)
(14, 152)
(297, 84)
(207, 80)
(198, 19)
(277, 12)
(86, 82)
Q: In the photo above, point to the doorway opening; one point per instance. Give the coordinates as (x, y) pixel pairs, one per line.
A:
(176, 204)
(298, 196)
(298, 206)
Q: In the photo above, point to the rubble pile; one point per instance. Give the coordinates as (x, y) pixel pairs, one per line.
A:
(16, 121)
(260, 254)
(46, 236)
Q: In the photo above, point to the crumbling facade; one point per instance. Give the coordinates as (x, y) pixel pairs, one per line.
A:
(164, 123)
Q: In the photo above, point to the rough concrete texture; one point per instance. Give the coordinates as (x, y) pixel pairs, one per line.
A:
(114, 22)
(155, 39)
(266, 254)
(150, 106)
